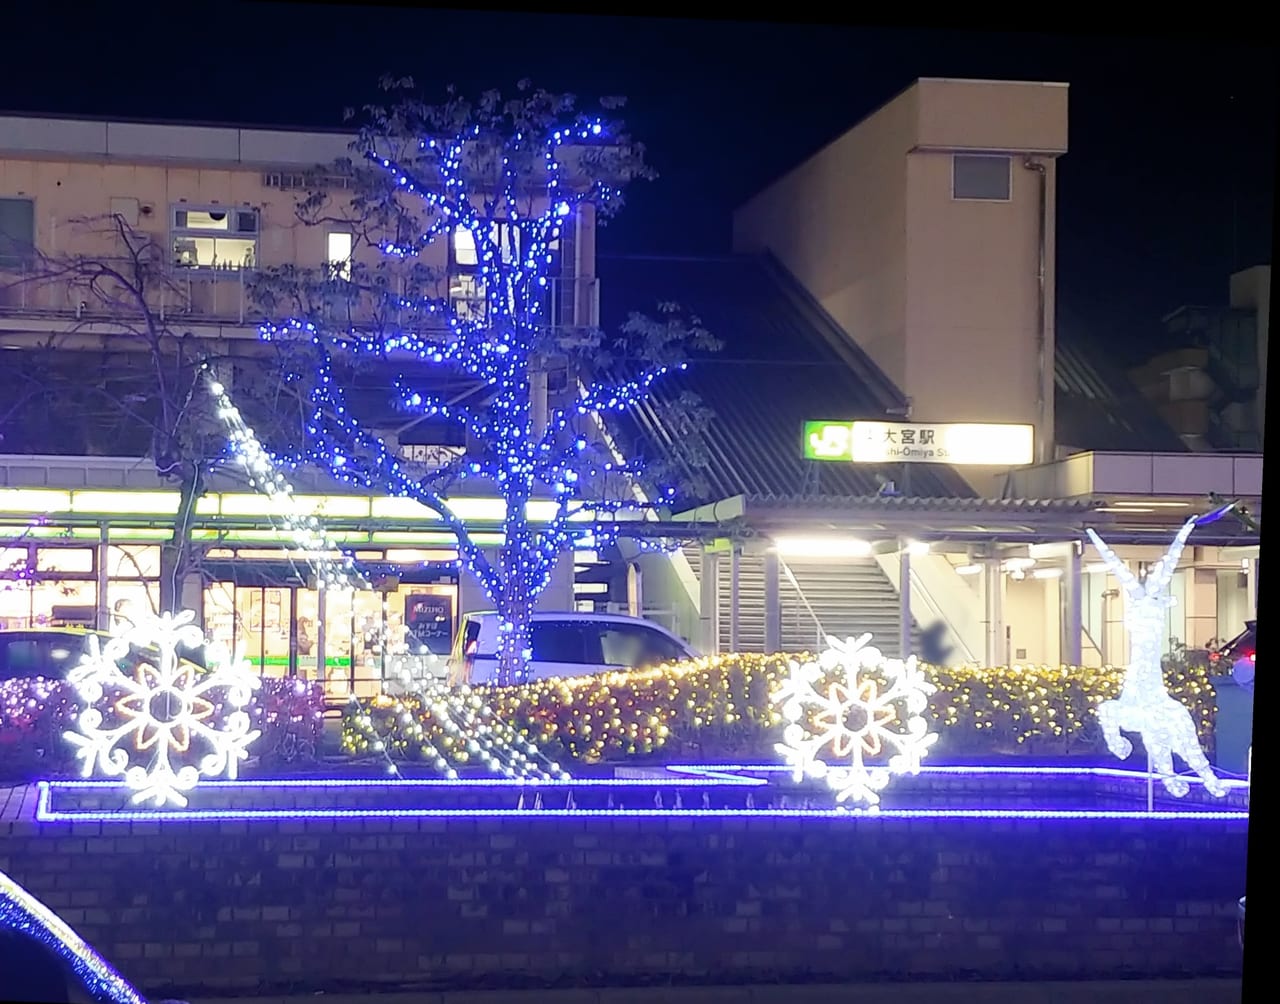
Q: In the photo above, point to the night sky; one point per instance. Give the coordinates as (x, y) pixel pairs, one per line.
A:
(1167, 187)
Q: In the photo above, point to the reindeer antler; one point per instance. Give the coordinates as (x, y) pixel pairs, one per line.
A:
(1117, 567)
(1161, 573)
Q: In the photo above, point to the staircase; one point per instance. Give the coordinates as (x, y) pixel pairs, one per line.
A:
(849, 598)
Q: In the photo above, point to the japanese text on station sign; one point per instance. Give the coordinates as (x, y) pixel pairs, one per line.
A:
(969, 444)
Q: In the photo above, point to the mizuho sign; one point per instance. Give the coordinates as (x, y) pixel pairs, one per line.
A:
(959, 444)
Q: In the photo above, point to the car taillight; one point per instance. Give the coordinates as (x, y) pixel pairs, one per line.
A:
(1253, 657)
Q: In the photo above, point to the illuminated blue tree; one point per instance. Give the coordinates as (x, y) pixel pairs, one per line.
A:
(508, 174)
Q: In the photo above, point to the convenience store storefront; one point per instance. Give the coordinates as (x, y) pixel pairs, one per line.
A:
(87, 557)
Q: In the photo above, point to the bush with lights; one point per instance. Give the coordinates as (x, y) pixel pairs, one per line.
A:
(36, 712)
(718, 707)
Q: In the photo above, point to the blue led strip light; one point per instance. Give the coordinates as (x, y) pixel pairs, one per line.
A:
(22, 912)
(45, 814)
(729, 770)
(439, 782)
(699, 775)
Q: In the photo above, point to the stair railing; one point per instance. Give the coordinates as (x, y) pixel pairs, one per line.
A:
(936, 611)
(822, 634)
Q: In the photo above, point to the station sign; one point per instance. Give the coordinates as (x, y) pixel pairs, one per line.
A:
(965, 444)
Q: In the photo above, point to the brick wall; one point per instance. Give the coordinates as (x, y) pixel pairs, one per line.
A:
(201, 908)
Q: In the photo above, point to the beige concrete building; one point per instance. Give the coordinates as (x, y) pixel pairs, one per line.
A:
(927, 233)
(213, 205)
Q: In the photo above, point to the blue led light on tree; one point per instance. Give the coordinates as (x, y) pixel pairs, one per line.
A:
(512, 174)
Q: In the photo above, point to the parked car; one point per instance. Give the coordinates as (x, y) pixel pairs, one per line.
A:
(43, 960)
(1238, 657)
(53, 652)
(566, 644)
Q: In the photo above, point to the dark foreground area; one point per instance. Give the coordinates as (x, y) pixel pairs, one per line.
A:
(1099, 992)
(554, 902)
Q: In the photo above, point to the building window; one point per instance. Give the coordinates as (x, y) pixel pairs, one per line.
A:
(214, 237)
(467, 294)
(463, 249)
(338, 255)
(981, 178)
(17, 232)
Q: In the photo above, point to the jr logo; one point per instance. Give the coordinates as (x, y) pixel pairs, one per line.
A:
(831, 442)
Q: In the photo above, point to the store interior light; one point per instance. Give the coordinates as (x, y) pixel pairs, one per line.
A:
(821, 547)
(917, 548)
(1047, 573)
(968, 569)
(1126, 509)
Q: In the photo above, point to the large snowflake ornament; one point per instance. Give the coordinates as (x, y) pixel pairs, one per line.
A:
(858, 704)
(160, 708)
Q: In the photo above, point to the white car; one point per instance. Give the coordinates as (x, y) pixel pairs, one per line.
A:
(566, 644)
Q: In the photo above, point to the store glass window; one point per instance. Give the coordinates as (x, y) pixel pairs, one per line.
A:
(15, 606)
(220, 614)
(64, 603)
(127, 601)
(65, 559)
(133, 561)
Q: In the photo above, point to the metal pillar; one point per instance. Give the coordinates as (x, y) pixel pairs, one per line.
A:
(321, 613)
(293, 629)
(635, 590)
(772, 604)
(993, 595)
(104, 553)
(1072, 608)
(735, 597)
(1255, 565)
(709, 603)
(904, 600)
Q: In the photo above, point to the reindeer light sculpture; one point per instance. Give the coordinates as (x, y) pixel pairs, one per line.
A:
(1144, 705)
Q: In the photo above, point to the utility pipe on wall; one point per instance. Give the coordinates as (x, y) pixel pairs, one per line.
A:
(1044, 441)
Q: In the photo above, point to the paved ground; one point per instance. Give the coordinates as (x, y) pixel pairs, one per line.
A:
(1135, 992)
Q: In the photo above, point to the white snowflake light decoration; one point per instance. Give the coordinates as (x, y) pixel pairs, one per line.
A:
(161, 711)
(847, 710)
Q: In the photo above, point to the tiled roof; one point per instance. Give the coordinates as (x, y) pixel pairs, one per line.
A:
(1097, 407)
(783, 361)
(955, 505)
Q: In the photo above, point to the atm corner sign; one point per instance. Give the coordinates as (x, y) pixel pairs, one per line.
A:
(957, 444)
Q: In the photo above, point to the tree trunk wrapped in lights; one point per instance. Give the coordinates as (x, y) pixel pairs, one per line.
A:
(501, 178)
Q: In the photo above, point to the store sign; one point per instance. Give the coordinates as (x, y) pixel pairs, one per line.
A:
(959, 444)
